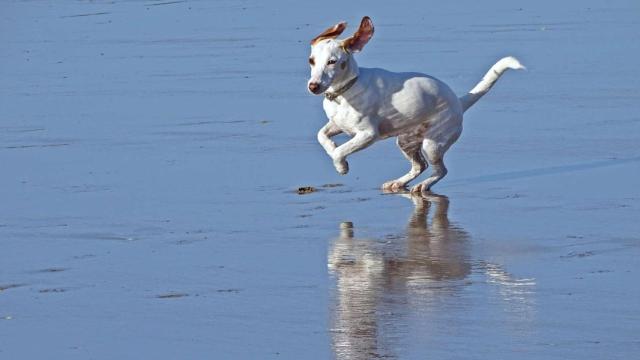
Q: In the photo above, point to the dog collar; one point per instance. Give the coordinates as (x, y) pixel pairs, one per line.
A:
(332, 96)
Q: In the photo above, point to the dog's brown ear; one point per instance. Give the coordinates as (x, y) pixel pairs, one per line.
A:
(331, 33)
(358, 40)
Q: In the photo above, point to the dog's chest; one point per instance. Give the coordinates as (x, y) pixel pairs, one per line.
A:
(343, 115)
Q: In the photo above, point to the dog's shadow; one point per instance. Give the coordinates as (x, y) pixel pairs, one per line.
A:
(382, 284)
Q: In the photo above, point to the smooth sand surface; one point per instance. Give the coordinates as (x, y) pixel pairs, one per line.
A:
(151, 150)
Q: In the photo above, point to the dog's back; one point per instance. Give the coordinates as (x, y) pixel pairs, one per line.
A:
(409, 100)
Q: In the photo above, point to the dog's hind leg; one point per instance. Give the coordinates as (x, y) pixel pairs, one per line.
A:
(435, 157)
(410, 145)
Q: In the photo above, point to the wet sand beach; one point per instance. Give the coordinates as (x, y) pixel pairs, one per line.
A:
(151, 154)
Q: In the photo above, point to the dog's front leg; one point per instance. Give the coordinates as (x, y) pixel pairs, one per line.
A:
(325, 134)
(361, 140)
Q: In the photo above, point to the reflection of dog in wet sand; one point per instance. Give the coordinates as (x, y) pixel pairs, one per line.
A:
(373, 104)
(376, 280)
(373, 277)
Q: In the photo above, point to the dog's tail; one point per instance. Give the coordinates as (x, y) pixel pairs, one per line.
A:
(489, 79)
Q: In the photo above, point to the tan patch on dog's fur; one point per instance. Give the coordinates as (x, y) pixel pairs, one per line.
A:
(331, 33)
(357, 41)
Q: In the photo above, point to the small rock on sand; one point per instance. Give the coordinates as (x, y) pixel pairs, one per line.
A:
(306, 190)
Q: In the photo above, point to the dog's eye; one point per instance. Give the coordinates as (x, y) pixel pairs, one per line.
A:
(312, 62)
(331, 62)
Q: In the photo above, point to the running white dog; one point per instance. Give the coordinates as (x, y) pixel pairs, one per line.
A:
(374, 104)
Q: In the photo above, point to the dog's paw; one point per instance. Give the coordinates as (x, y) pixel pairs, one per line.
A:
(420, 189)
(342, 167)
(393, 186)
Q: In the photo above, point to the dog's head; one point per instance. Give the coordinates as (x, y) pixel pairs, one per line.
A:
(331, 58)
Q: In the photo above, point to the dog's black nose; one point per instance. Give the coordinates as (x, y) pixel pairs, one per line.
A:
(314, 87)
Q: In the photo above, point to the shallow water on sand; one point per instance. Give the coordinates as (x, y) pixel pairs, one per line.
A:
(151, 150)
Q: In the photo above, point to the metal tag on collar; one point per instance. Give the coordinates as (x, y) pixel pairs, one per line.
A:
(332, 96)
